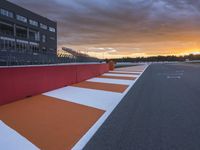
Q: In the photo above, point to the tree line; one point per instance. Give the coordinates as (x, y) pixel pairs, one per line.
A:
(158, 58)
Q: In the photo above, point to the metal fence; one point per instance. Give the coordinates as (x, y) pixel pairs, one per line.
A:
(8, 58)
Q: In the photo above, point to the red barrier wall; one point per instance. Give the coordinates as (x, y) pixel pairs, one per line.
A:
(20, 82)
(83, 73)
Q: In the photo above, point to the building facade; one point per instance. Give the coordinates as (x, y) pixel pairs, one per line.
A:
(26, 32)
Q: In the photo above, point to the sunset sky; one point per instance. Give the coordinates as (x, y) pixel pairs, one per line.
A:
(121, 28)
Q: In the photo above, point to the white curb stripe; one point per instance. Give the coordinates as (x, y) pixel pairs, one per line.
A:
(119, 75)
(125, 72)
(112, 81)
(11, 140)
(88, 97)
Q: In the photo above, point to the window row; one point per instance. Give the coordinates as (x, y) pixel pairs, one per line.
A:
(45, 27)
(20, 45)
(23, 19)
(6, 44)
(6, 13)
(33, 22)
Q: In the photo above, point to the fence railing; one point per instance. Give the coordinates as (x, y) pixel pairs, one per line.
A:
(10, 58)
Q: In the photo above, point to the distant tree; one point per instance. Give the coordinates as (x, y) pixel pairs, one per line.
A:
(158, 58)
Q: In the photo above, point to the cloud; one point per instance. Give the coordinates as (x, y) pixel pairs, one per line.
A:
(123, 24)
(108, 50)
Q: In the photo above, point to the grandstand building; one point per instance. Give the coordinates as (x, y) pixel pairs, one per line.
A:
(23, 31)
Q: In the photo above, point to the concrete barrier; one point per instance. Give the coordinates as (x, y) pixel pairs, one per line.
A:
(20, 82)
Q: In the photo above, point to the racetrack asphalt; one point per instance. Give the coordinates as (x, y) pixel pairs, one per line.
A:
(160, 112)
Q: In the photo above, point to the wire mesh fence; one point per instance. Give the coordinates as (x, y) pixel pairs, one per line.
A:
(10, 58)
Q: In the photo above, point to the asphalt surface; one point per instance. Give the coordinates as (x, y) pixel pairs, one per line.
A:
(160, 112)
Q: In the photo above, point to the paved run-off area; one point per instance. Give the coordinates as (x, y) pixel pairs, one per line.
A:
(65, 118)
(161, 112)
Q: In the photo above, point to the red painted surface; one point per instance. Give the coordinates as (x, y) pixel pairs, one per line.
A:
(19, 82)
(84, 74)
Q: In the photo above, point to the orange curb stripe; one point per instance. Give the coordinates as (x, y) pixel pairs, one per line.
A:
(102, 86)
(118, 77)
(49, 123)
(125, 73)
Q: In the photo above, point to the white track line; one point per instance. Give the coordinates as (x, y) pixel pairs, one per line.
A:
(85, 139)
(11, 140)
(112, 81)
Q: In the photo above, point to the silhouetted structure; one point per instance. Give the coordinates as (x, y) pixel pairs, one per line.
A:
(26, 32)
(27, 38)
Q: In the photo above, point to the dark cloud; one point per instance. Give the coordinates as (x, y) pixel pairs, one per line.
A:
(127, 25)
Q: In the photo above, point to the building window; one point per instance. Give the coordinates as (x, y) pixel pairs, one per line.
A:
(21, 32)
(34, 47)
(7, 44)
(52, 29)
(43, 38)
(43, 26)
(52, 38)
(6, 29)
(34, 35)
(44, 50)
(21, 18)
(6, 13)
(22, 46)
(33, 22)
(37, 36)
